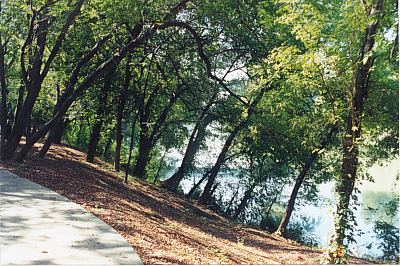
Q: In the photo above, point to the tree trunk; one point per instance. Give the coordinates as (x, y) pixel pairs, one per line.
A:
(157, 175)
(33, 78)
(300, 179)
(59, 131)
(94, 140)
(345, 184)
(143, 156)
(80, 141)
(100, 112)
(195, 140)
(118, 138)
(55, 136)
(149, 136)
(245, 200)
(290, 206)
(228, 208)
(3, 104)
(120, 113)
(21, 124)
(107, 148)
(193, 189)
(128, 164)
(108, 65)
(206, 195)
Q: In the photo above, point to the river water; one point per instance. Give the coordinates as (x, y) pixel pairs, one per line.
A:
(372, 196)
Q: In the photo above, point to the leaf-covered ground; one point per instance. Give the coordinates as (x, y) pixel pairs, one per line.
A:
(160, 226)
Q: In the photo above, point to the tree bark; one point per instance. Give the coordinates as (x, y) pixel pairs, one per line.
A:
(193, 189)
(205, 197)
(142, 159)
(290, 206)
(345, 184)
(149, 136)
(228, 208)
(94, 140)
(128, 164)
(107, 148)
(55, 136)
(157, 175)
(33, 78)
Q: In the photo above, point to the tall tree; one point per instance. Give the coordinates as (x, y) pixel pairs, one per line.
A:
(358, 95)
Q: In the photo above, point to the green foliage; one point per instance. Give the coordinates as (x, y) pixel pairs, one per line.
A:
(388, 236)
(302, 231)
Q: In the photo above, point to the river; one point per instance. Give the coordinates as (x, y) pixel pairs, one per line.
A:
(372, 196)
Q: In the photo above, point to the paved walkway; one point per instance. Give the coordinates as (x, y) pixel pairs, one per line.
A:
(38, 226)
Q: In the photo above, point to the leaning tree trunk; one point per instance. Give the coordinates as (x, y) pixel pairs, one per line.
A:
(229, 206)
(149, 136)
(206, 195)
(33, 85)
(193, 189)
(290, 206)
(345, 184)
(195, 140)
(55, 136)
(300, 178)
(112, 62)
(107, 148)
(128, 164)
(118, 137)
(33, 78)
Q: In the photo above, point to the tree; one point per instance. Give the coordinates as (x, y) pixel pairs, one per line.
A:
(358, 94)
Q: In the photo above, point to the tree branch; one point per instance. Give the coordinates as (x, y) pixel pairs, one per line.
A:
(60, 39)
(204, 57)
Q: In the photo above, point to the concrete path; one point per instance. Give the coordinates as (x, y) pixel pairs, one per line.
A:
(38, 226)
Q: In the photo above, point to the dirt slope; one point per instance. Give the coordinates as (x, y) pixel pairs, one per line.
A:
(160, 226)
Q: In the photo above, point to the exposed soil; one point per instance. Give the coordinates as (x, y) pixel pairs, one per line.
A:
(160, 226)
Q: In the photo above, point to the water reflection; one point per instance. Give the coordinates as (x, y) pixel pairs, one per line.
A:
(373, 199)
(374, 203)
